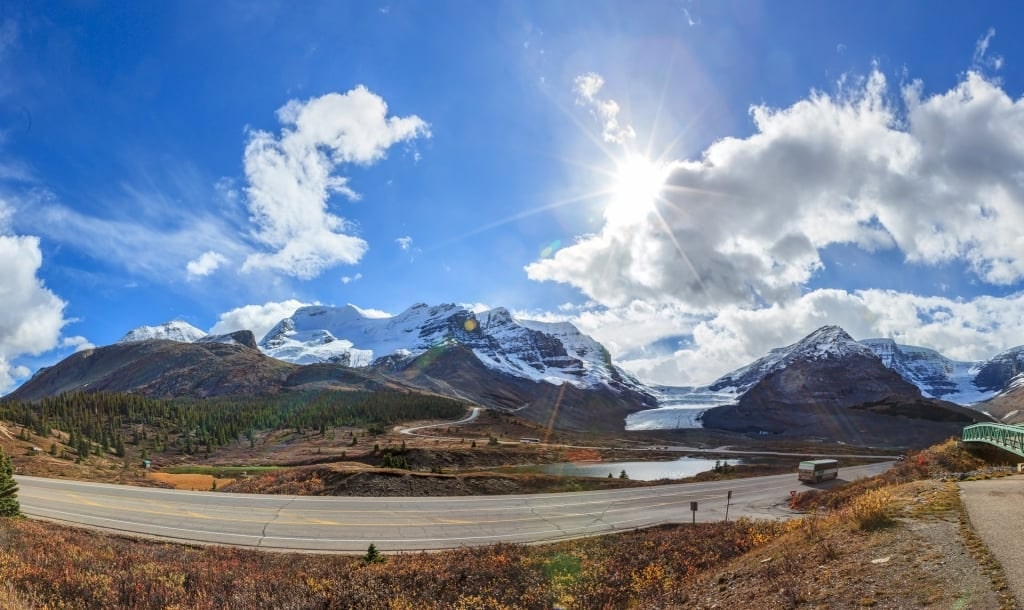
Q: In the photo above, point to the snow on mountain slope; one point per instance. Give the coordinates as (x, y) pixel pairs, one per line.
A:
(828, 342)
(553, 352)
(678, 408)
(683, 407)
(176, 330)
(935, 375)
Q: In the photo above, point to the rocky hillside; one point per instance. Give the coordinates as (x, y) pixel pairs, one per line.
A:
(165, 368)
(829, 387)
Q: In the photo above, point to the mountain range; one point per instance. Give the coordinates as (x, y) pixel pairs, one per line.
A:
(554, 374)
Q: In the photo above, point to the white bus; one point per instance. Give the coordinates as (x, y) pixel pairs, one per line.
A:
(816, 471)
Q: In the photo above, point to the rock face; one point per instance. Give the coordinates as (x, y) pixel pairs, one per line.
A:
(831, 388)
(936, 375)
(239, 337)
(1002, 372)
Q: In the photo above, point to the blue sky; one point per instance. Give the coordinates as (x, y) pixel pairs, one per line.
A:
(224, 162)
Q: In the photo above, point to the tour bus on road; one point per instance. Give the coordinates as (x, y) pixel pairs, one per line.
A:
(816, 471)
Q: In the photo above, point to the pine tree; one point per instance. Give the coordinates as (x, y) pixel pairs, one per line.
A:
(9, 506)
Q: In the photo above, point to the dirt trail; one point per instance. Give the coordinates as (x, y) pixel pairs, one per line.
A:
(994, 507)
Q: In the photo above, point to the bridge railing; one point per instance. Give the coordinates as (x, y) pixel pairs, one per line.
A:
(1006, 437)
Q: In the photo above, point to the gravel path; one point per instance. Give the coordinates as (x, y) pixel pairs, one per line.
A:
(995, 509)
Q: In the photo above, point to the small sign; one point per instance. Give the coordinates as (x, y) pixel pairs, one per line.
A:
(728, 495)
(693, 506)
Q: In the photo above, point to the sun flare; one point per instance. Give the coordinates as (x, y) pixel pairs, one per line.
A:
(637, 187)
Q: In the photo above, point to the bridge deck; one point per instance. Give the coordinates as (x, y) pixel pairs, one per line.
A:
(1006, 437)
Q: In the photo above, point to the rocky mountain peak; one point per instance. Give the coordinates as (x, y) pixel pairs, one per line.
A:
(175, 330)
(829, 342)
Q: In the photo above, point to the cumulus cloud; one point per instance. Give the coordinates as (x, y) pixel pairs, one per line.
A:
(31, 316)
(963, 330)
(207, 263)
(292, 177)
(78, 342)
(937, 177)
(257, 318)
(587, 88)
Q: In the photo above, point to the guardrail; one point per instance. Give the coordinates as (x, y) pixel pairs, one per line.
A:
(1006, 437)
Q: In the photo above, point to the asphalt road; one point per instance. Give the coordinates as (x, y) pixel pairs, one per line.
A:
(350, 524)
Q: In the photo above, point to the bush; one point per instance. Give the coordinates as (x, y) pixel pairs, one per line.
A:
(872, 510)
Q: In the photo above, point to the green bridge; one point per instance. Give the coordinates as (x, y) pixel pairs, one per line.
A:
(1007, 438)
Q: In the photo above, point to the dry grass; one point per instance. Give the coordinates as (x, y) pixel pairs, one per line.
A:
(195, 482)
(68, 568)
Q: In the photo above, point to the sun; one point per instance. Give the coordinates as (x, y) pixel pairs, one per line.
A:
(637, 186)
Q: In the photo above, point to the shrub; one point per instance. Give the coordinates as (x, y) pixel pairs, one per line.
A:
(872, 510)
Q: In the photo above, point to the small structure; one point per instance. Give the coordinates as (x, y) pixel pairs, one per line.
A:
(146, 464)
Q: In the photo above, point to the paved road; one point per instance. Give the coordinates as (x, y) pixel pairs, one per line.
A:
(465, 420)
(347, 524)
(994, 509)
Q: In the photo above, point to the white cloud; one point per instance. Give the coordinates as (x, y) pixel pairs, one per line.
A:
(481, 307)
(966, 330)
(982, 59)
(257, 318)
(128, 240)
(207, 263)
(348, 279)
(31, 316)
(78, 342)
(587, 87)
(372, 313)
(292, 177)
(404, 242)
(937, 177)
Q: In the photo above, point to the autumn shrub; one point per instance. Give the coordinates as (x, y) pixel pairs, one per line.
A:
(60, 567)
(872, 510)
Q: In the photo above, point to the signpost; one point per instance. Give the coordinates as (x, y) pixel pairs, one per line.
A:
(728, 500)
(693, 508)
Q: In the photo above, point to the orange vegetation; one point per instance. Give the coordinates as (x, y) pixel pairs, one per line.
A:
(60, 567)
(197, 482)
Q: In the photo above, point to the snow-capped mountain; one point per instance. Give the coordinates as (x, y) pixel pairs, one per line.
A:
(1001, 373)
(936, 375)
(553, 352)
(176, 330)
(684, 407)
(826, 343)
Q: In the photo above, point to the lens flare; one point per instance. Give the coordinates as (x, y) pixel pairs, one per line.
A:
(637, 187)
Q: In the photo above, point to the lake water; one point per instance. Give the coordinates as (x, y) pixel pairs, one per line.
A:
(641, 471)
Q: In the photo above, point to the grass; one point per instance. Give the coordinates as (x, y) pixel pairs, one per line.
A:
(61, 567)
(827, 559)
(221, 472)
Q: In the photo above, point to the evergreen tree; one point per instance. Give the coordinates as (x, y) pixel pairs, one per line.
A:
(373, 555)
(9, 506)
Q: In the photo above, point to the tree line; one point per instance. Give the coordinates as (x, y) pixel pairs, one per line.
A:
(107, 421)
